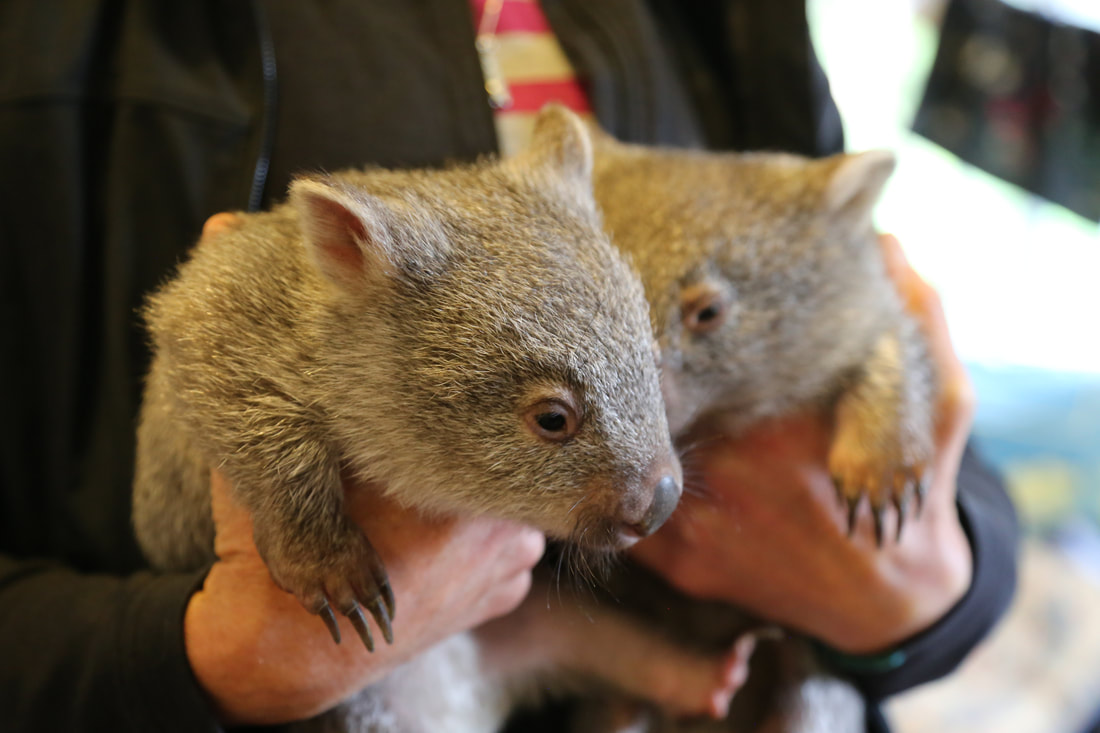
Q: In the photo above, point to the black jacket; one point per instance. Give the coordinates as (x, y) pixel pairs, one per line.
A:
(125, 123)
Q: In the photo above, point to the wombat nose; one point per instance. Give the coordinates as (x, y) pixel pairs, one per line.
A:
(665, 498)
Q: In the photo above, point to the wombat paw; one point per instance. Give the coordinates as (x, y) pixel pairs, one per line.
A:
(346, 575)
(883, 476)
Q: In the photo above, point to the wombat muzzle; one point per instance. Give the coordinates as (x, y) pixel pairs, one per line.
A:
(665, 498)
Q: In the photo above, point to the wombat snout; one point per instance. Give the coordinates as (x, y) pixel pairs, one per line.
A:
(665, 498)
(664, 478)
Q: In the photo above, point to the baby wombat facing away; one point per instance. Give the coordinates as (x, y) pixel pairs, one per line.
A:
(449, 333)
(768, 293)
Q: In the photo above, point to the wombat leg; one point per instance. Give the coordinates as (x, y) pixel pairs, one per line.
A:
(321, 556)
(883, 438)
(580, 645)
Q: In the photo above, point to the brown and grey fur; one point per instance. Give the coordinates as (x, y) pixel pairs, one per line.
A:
(783, 251)
(404, 328)
(673, 224)
(784, 248)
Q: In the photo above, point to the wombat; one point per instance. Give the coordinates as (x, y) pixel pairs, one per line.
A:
(450, 334)
(769, 294)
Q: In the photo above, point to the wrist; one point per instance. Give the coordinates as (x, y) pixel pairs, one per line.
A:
(258, 656)
(859, 664)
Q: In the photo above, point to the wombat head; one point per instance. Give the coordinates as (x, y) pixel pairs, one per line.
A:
(746, 258)
(511, 360)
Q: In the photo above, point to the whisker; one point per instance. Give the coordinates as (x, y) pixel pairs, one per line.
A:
(698, 442)
(557, 574)
(697, 489)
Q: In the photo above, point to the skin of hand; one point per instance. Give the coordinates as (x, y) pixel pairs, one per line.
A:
(262, 659)
(765, 531)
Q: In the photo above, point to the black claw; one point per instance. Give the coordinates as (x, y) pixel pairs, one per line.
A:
(921, 493)
(853, 508)
(878, 513)
(839, 486)
(902, 504)
(378, 611)
(387, 596)
(359, 621)
(329, 618)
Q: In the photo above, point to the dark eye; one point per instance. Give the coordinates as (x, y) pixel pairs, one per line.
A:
(704, 310)
(553, 420)
(707, 314)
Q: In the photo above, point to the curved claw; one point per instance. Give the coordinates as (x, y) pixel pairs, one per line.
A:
(921, 493)
(878, 513)
(386, 591)
(902, 505)
(381, 616)
(359, 621)
(329, 618)
(853, 509)
(839, 486)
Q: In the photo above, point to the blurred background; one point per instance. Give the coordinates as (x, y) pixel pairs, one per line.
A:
(993, 107)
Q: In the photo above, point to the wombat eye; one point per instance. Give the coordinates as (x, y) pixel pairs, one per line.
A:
(705, 312)
(552, 420)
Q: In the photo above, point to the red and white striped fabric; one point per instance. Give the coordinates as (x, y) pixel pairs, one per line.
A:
(533, 66)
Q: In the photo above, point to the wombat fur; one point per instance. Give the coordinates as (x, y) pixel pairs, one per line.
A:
(450, 334)
(766, 293)
(769, 294)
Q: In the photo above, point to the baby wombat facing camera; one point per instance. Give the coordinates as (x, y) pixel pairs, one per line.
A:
(769, 294)
(449, 334)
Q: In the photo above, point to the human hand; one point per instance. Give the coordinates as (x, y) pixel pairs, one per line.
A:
(766, 532)
(261, 658)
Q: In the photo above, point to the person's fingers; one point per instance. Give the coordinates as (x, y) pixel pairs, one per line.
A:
(525, 547)
(897, 264)
(519, 548)
(219, 223)
(957, 398)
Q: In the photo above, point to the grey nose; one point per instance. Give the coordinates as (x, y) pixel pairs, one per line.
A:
(665, 498)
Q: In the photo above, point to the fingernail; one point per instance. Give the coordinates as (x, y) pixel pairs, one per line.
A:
(770, 633)
(720, 704)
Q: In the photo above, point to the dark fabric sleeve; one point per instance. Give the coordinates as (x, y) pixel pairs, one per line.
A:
(95, 652)
(990, 523)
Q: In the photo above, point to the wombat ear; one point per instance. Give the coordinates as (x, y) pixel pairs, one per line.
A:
(855, 182)
(600, 137)
(561, 140)
(346, 230)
